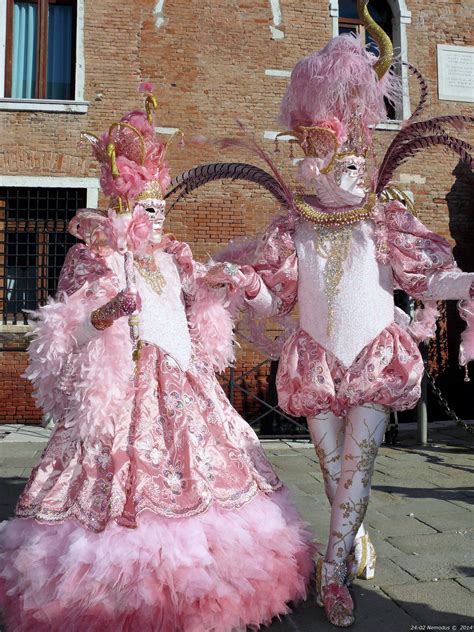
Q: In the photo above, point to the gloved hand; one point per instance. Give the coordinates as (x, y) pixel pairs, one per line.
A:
(125, 303)
(234, 277)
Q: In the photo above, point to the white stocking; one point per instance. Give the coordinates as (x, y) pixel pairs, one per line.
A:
(364, 432)
(327, 434)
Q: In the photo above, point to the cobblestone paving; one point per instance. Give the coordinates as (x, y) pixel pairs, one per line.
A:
(421, 520)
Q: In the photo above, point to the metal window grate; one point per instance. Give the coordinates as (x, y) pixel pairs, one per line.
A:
(33, 245)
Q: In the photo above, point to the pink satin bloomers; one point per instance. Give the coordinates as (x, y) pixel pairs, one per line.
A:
(311, 380)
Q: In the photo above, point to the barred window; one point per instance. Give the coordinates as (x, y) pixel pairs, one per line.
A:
(33, 245)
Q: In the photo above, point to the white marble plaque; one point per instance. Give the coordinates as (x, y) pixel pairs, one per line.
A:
(456, 73)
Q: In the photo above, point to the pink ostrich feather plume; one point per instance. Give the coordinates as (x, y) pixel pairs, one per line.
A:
(214, 323)
(100, 394)
(338, 81)
(466, 351)
(130, 182)
(423, 325)
(146, 87)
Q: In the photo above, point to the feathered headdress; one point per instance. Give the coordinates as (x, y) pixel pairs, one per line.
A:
(336, 94)
(131, 157)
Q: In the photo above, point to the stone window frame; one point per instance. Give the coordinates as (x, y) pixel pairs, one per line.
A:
(92, 186)
(401, 17)
(78, 105)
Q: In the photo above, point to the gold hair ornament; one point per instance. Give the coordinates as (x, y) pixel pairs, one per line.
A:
(315, 141)
(151, 105)
(151, 192)
(383, 41)
(394, 193)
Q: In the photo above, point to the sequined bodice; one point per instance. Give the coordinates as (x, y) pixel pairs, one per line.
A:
(345, 295)
(163, 319)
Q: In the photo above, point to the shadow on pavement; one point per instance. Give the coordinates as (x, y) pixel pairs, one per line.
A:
(376, 612)
(440, 493)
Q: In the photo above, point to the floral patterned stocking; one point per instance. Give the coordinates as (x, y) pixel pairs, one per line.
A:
(347, 452)
(327, 434)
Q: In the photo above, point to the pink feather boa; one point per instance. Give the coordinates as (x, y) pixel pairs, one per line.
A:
(209, 316)
(209, 310)
(423, 325)
(88, 386)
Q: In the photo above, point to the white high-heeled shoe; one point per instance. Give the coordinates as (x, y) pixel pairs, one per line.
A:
(362, 558)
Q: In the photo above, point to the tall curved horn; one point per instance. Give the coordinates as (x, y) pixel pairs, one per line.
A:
(383, 41)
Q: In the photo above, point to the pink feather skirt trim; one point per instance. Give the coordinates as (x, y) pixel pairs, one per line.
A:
(219, 570)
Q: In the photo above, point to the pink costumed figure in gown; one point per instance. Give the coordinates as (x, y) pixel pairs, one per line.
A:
(341, 248)
(153, 506)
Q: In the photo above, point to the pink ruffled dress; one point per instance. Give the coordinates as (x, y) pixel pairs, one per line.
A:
(352, 346)
(153, 506)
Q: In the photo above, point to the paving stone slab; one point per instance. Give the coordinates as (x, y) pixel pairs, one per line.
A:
(442, 555)
(435, 603)
(383, 547)
(402, 525)
(8, 471)
(450, 520)
(11, 488)
(294, 465)
(423, 506)
(310, 488)
(467, 582)
(387, 573)
(19, 450)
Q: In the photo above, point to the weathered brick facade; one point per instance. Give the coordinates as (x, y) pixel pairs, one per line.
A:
(209, 58)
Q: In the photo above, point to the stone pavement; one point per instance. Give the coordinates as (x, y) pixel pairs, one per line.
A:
(421, 519)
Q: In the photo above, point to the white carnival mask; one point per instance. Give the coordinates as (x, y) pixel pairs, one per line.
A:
(349, 174)
(155, 208)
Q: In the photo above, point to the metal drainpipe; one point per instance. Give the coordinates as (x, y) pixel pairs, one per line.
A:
(422, 407)
(231, 385)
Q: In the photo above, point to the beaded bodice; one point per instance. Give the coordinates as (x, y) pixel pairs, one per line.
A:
(340, 285)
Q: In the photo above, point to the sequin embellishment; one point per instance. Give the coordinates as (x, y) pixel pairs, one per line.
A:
(149, 270)
(333, 243)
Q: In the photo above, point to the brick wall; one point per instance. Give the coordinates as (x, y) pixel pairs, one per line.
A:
(209, 60)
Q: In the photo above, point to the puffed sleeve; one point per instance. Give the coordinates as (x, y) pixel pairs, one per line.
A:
(190, 271)
(80, 265)
(277, 266)
(422, 261)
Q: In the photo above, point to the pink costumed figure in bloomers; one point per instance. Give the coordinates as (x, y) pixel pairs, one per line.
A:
(153, 506)
(341, 248)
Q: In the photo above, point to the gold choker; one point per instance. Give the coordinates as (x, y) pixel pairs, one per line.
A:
(337, 217)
